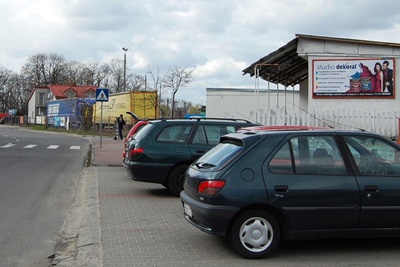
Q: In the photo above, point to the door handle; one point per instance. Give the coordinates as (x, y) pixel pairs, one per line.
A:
(371, 188)
(281, 188)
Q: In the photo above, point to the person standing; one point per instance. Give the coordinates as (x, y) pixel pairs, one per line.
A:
(121, 123)
(387, 77)
(378, 84)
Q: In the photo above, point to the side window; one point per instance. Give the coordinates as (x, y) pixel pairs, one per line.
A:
(200, 136)
(374, 156)
(282, 161)
(214, 132)
(309, 155)
(175, 133)
(325, 156)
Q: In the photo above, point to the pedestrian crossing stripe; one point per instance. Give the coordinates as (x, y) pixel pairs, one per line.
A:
(30, 146)
(8, 145)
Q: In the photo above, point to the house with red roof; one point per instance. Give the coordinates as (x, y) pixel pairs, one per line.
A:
(39, 97)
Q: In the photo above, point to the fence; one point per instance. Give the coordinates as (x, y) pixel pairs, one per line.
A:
(384, 123)
(12, 120)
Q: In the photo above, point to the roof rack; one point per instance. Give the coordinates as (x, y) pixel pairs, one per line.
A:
(203, 118)
(223, 119)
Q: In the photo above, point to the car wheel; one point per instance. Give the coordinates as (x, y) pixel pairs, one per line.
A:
(255, 234)
(176, 179)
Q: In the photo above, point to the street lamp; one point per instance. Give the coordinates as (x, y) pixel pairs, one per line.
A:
(125, 49)
(144, 94)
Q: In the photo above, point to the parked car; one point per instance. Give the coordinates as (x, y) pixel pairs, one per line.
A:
(260, 187)
(162, 151)
(135, 128)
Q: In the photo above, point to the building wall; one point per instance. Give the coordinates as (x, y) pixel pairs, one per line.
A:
(244, 103)
(33, 109)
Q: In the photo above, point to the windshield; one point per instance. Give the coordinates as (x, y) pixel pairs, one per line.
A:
(219, 155)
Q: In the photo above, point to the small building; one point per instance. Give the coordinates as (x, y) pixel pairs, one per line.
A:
(37, 102)
(339, 85)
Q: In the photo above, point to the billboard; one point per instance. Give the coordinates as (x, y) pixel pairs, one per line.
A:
(354, 77)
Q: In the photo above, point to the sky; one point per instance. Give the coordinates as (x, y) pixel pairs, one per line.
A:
(219, 38)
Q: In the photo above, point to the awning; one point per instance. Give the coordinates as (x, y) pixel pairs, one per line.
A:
(283, 66)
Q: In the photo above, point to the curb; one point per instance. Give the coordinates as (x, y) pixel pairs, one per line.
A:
(80, 238)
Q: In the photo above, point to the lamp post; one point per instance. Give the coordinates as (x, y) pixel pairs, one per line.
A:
(125, 49)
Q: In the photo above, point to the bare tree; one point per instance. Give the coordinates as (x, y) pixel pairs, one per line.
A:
(73, 72)
(157, 80)
(102, 73)
(117, 75)
(4, 92)
(44, 69)
(14, 90)
(175, 79)
(134, 82)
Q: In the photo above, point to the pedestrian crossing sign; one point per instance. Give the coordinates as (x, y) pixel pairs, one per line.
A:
(101, 95)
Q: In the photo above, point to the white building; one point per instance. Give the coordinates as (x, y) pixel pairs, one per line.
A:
(336, 81)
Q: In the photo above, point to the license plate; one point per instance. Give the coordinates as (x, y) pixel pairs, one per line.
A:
(188, 210)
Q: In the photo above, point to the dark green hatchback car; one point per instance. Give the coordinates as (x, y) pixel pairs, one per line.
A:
(163, 149)
(258, 187)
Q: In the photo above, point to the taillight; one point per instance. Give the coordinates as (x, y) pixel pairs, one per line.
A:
(211, 188)
(135, 152)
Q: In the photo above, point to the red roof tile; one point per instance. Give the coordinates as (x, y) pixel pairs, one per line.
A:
(81, 91)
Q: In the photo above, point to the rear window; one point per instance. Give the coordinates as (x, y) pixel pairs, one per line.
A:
(146, 128)
(219, 155)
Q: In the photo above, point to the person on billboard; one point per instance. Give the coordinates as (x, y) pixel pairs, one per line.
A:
(387, 77)
(378, 83)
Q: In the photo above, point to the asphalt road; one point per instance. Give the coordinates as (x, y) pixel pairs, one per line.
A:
(38, 172)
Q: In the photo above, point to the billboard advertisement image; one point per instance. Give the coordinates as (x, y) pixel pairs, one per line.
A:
(360, 77)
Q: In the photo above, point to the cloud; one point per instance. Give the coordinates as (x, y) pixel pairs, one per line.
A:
(219, 38)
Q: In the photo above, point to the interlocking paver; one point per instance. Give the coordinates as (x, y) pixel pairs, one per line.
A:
(143, 225)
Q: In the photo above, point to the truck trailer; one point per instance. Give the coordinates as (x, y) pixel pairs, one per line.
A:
(142, 103)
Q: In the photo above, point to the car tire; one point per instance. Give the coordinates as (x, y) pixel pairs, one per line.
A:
(255, 234)
(176, 179)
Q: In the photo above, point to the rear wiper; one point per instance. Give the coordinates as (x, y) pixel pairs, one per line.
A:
(201, 165)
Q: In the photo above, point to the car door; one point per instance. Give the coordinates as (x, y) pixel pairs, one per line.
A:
(171, 144)
(308, 179)
(377, 165)
(206, 136)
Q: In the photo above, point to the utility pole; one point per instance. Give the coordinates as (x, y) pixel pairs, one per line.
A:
(125, 49)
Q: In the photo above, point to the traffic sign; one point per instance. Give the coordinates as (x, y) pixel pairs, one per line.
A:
(101, 95)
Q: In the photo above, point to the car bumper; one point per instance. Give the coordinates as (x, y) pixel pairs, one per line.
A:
(147, 172)
(212, 219)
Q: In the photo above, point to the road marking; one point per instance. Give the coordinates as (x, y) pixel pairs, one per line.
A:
(52, 147)
(30, 146)
(75, 147)
(8, 145)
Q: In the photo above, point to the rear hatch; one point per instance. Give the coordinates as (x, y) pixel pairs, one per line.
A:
(210, 166)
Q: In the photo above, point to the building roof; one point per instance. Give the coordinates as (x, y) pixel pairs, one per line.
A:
(287, 67)
(59, 90)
